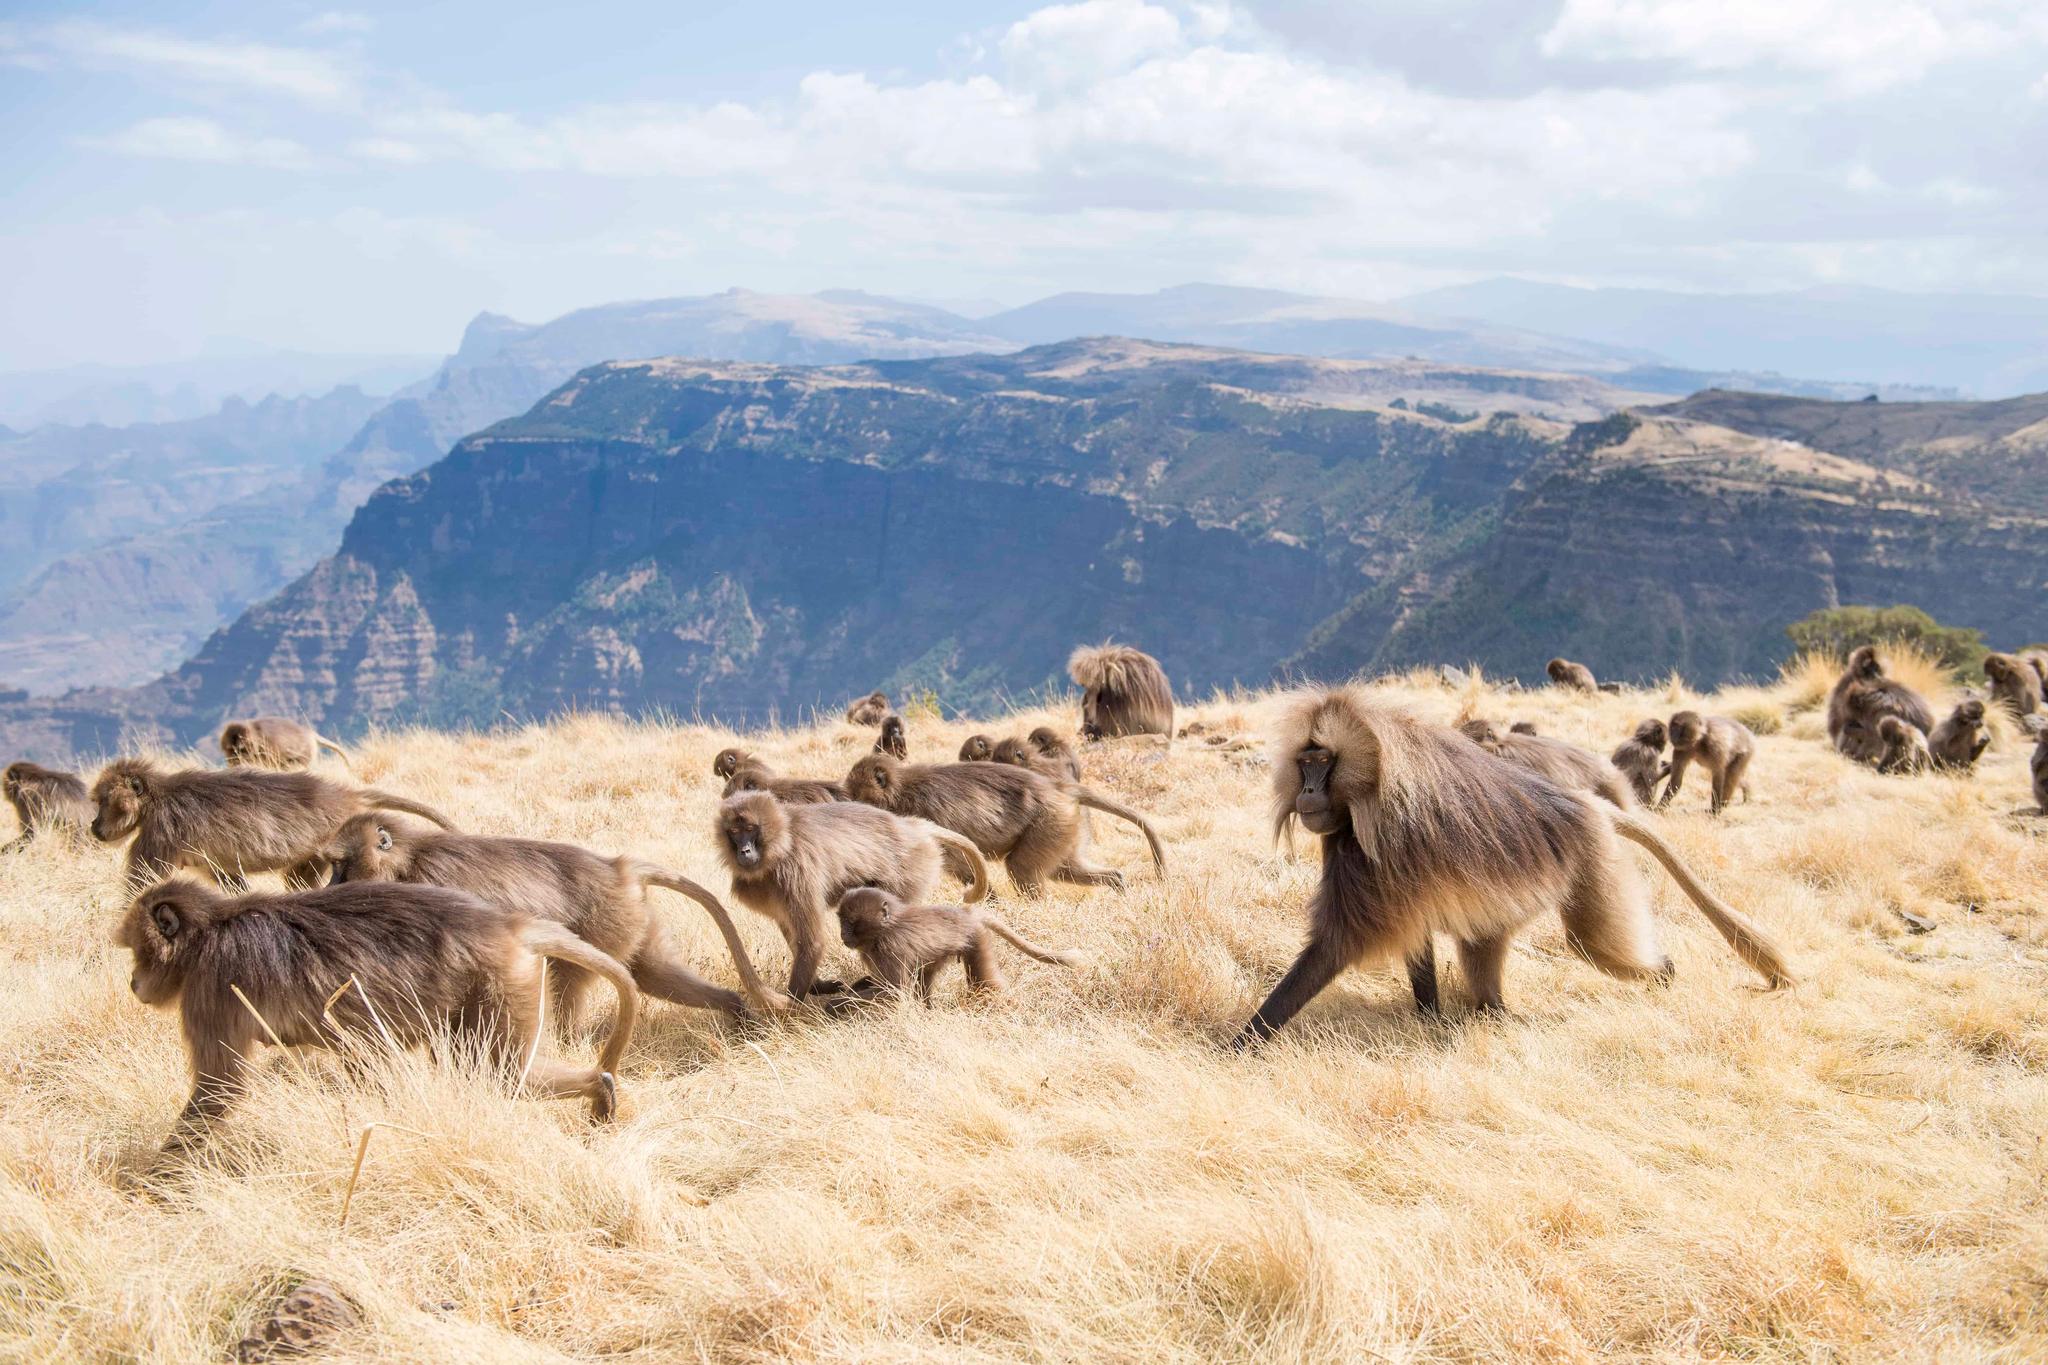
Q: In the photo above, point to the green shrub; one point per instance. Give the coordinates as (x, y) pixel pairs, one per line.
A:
(1838, 630)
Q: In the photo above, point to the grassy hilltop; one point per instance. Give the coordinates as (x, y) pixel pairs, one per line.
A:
(1854, 1168)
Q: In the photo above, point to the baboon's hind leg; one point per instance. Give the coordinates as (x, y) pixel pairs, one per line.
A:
(1607, 922)
(1484, 962)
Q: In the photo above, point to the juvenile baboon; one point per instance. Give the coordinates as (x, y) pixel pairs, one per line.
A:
(1719, 744)
(793, 863)
(1571, 676)
(1031, 823)
(892, 740)
(2014, 684)
(1960, 741)
(752, 775)
(1054, 758)
(1863, 695)
(46, 801)
(728, 762)
(1424, 832)
(1905, 748)
(1054, 745)
(869, 710)
(230, 823)
(977, 749)
(1565, 764)
(1641, 759)
(397, 962)
(898, 942)
(1124, 691)
(275, 742)
(602, 901)
(2037, 768)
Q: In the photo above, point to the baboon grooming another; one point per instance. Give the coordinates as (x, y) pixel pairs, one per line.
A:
(898, 942)
(869, 710)
(1641, 759)
(1863, 695)
(892, 740)
(1721, 745)
(1960, 741)
(1424, 832)
(977, 749)
(231, 823)
(2014, 683)
(1573, 677)
(46, 801)
(602, 901)
(402, 962)
(1031, 823)
(1124, 691)
(275, 742)
(747, 773)
(1905, 748)
(793, 863)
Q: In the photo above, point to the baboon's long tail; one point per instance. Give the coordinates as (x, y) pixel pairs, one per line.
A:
(1743, 936)
(325, 743)
(763, 995)
(977, 889)
(385, 800)
(551, 940)
(1026, 946)
(1096, 800)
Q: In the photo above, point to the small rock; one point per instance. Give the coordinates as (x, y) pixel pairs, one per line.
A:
(1454, 676)
(307, 1318)
(1919, 924)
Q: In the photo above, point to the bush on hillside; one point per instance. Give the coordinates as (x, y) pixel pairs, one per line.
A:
(1838, 630)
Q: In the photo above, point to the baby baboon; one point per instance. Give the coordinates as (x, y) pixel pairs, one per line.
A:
(45, 800)
(898, 942)
(977, 749)
(2014, 683)
(793, 863)
(2037, 768)
(1641, 759)
(1054, 745)
(1032, 824)
(1571, 676)
(1861, 696)
(1960, 741)
(1905, 748)
(602, 901)
(728, 762)
(1124, 691)
(892, 740)
(869, 710)
(1720, 745)
(275, 742)
(1423, 832)
(228, 824)
(1565, 764)
(752, 775)
(403, 962)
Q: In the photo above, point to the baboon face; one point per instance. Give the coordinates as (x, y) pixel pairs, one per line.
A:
(1971, 712)
(1651, 732)
(1555, 668)
(1012, 751)
(1687, 729)
(234, 743)
(366, 850)
(751, 830)
(1863, 663)
(1313, 806)
(863, 913)
(1091, 712)
(159, 930)
(119, 795)
(727, 763)
(977, 749)
(873, 780)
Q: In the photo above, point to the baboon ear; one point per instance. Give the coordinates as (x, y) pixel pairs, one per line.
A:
(165, 915)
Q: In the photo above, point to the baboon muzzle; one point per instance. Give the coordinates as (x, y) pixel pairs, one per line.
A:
(1312, 802)
(747, 852)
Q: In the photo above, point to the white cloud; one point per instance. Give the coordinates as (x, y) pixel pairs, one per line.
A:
(260, 68)
(1068, 46)
(338, 21)
(202, 139)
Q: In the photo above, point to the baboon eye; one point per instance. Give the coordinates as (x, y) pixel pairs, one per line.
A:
(383, 838)
(167, 921)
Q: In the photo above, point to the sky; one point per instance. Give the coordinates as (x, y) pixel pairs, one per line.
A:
(208, 178)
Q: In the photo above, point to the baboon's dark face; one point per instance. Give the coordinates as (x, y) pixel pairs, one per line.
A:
(118, 798)
(1313, 805)
(1686, 729)
(1091, 714)
(743, 838)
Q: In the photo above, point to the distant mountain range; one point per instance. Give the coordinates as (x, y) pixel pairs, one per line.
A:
(176, 391)
(749, 539)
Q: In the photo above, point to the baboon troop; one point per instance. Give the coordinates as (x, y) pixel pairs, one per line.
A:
(869, 710)
(1641, 759)
(274, 742)
(1721, 745)
(1863, 696)
(46, 801)
(1570, 676)
(1124, 691)
(899, 942)
(892, 740)
(1959, 741)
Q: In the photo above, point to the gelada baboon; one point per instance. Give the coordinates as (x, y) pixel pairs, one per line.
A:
(1905, 748)
(1423, 832)
(750, 774)
(396, 962)
(1641, 759)
(793, 863)
(1565, 764)
(1124, 691)
(1044, 753)
(728, 762)
(602, 901)
(2014, 684)
(899, 942)
(46, 801)
(869, 710)
(1571, 676)
(1032, 824)
(1959, 741)
(892, 740)
(1721, 745)
(1522, 727)
(2037, 768)
(1863, 695)
(275, 742)
(231, 823)
(977, 749)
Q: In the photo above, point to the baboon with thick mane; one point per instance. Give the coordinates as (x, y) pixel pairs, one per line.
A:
(1570, 676)
(230, 823)
(2015, 683)
(1124, 691)
(900, 943)
(1641, 759)
(1861, 697)
(378, 961)
(1031, 823)
(1960, 740)
(275, 742)
(1721, 745)
(46, 801)
(1424, 832)
(868, 710)
(601, 900)
(1905, 748)
(793, 863)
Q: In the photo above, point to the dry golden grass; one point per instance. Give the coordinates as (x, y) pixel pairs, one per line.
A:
(1853, 1169)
